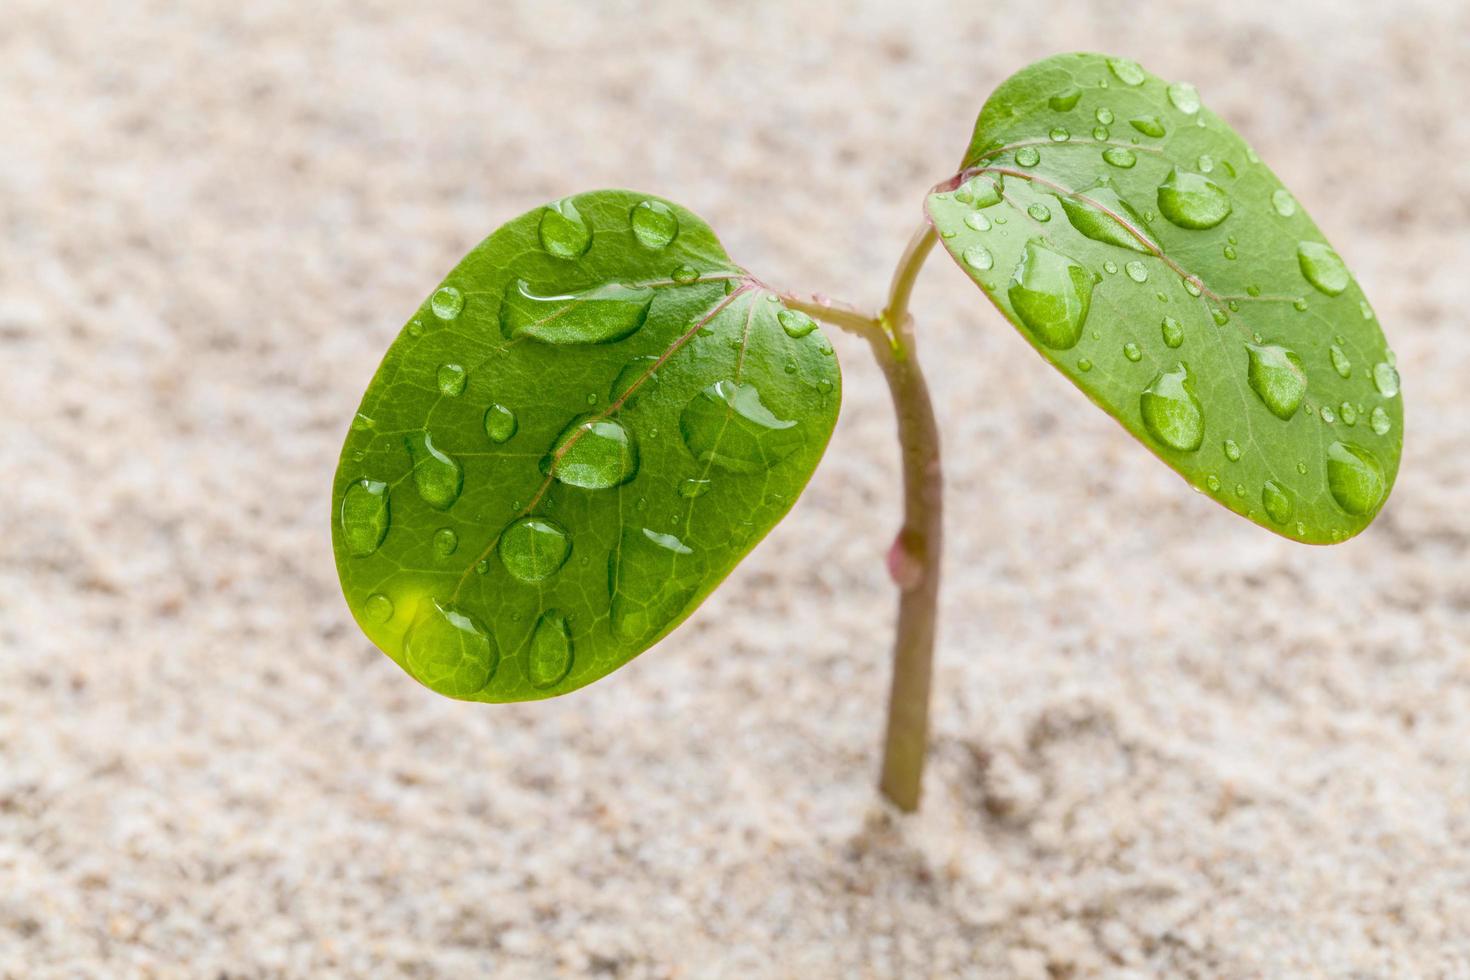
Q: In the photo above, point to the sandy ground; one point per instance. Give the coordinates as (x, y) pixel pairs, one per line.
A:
(1166, 743)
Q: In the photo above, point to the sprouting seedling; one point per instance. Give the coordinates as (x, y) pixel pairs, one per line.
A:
(599, 413)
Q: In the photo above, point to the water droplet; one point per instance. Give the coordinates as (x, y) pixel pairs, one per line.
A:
(437, 476)
(796, 323)
(1328, 415)
(1127, 71)
(652, 578)
(452, 380)
(1299, 304)
(1220, 316)
(550, 656)
(1131, 351)
(1148, 125)
(1104, 115)
(1105, 217)
(1027, 156)
(1232, 450)
(1283, 202)
(1059, 134)
(450, 651)
(533, 549)
(1191, 285)
(1184, 98)
(692, 488)
(1039, 212)
(1051, 294)
(1213, 482)
(1119, 156)
(378, 608)
(1322, 267)
(976, 221)
(1136, 271)
(978, 257)
(594, 454)
(727, 425)
(637, 377)
(1277, 377)
(654, 224)
(598, 315)
(1355, 478)
(1084, 365)
(684, 274)
(981, 190)
(1171, 412)
(1064, 100)
(1340, 362)
(1349, 413)
(1100, 133)
(500, 423)
(1173, 332)
(1386, 379)
(1380, 421)
(1365, 309)
(1192, 200)
(364, 517)
(446, 303)
(563, 231)
(1205, 164)
(445, 542)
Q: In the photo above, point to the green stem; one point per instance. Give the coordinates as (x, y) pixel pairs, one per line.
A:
(913, 561)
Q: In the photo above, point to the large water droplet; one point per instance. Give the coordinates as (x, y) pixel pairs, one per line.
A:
(563, 231)
(1127, 71)
(1283, 202)
(594, 454)
(452, 379)
(550, 656)
(652, 578)
(981, 191)
(378, 608)
(1064, 100)
(796, 323)
(1103, 216)
(1322, 267)
(1380, 421)
(654, 223)
(1119, 156)
(1386, 379)
(1173, 332)
(1104, 115)
(1148, 125)
(1355, 478)
(1184, 97)
(449, 651)
(599, 315)
(364, 517)
(1039, 212)
(500, 423)
(1277, 501)
(1028, 156)
(1192, 200)
(978, 257)
(728, 426)
(635, 379)
(445, 542)
(1137, 271)
(1232, 450)
(1051, 295)
(446, 302)
(1171, 412)
(533, 549)
(1277, 377)
(437, 476)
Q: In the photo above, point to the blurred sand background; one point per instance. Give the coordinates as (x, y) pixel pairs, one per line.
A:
(1166, 743)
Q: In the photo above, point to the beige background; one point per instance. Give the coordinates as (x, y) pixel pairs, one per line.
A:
(1166, 743)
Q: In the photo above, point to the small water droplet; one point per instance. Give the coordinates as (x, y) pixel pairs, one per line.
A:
(1051, 294)
(1213, 482)
(1340, 362)
(982, 191)
(1064, 100)
(1283, 202)
(1028, 156)
(1365, 309)
(1232, 450)
(796, 323)
(1299, 304)
(1205, 164)
(1191, 285)
(1220, 316)
(654, 224)
(1039, 212)
(1100, 133)
(446, 303)
(978, 257)
(1349, 413)
(1110, 267)
(1184, 98)
(976, 221)
(1059, 134)
(452, 378)
(364, 517)
(1328, 415)
(378, 608)
(1173, 332)
(1229, 252)
(729, 426)
(1084, 365)
(1277, 501)
(437, 476)
(533, 549)
(594, 454)
(450, 651)
(1277, 377)
(1380, 421)
(1386, 379)
(1148, 125)
(1192, 200)
(563, 231)
(1119, 156)
(1322, 267)
(1104, 115)
(692, 488)
(1355, 478)
(1131, 351)
(1127, 71)
(1171, 412)
(684, 274)
(500, 423)
(1136, 271)
(550, 656)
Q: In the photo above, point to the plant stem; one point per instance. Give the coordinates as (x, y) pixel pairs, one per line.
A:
(913, 560)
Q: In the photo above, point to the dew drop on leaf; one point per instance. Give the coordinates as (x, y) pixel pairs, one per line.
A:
(1104, 115)
(654, 224)
(1184, 97)
(378, 608)
(975, 221)
(594, 454)
(533, 549)
(1059, 134)
(692, 488)
(1232, 450)
(1064, 100)
(1171, 412)
(500, 424)
(1277, 377)
(1283, 202)
(1131, 351)
(1136, 271)
(599, 315)
(652, 578)
(1380, 421)
(981, 191)
(1126, 70)
(1322, 267)
(1172, 331)
(1386, 379)
(1355, 478)
(1101, 215)
(1039, 212)
(635, 379)
(1051, 294)
(364, 517)
(452, 378)
(563, 231)
(978, 257)
(1192, 200)
(1277, 501)
(1028, 156)
(796, 323)
(728, 426)
(450, 651)
(1120, 156)
(684, 274)
(1148, 125)
(550, 655)
(437, 476)
(445, 542)
(1340, 362)
(446, 302)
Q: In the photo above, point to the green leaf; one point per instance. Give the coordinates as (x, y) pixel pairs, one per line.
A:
(570, 444)
(1144, 250)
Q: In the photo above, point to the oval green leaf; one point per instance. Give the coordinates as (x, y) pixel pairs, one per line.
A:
(569, 445)
(1144, 250)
